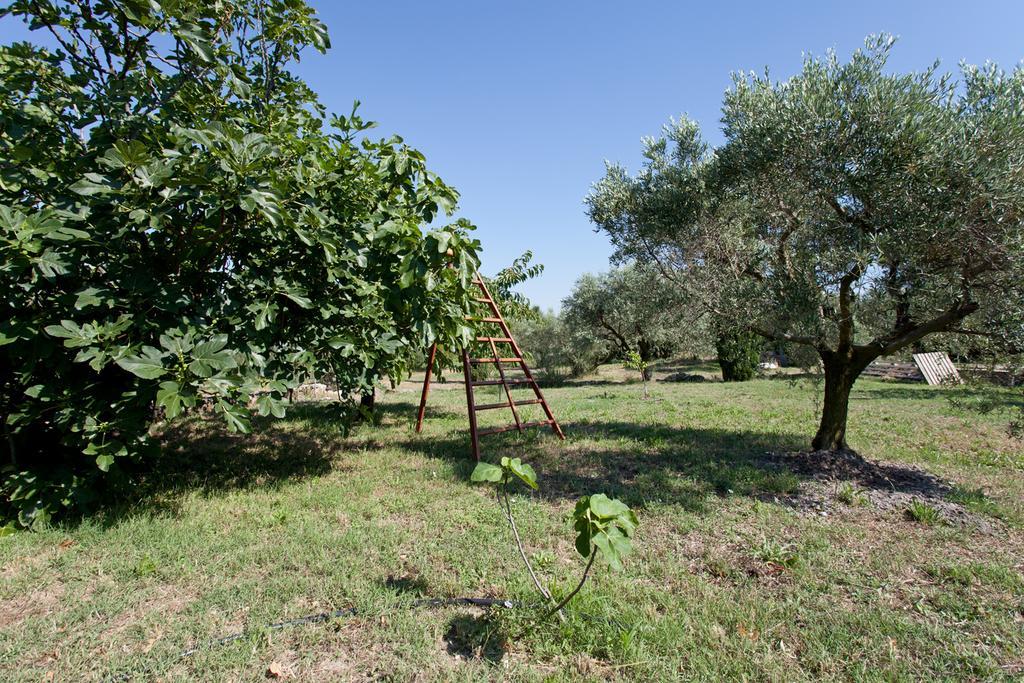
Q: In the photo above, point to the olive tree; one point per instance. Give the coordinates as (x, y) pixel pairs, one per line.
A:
(632, 309)
(843, 193)
(182, 224)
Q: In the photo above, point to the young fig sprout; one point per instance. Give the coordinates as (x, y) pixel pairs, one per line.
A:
(604, 526)
(635, 362)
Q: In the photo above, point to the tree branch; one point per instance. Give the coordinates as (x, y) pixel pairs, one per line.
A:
(909, 335)
(845, 313)
(846, 217)
(572, 594)
(623, 344)
(783, 336)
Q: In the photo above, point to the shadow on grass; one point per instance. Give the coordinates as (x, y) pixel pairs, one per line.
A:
(406, 585)
(641, 464)
(200, 455)
(997, 397)
(647, 465)
(475, 637)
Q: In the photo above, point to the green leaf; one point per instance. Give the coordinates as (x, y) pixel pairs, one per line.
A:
(605, 507)
(266, 312)
(583, 541)
(264, 201)
(197, 40)
(235, 416)
(208, 357)
(523, 471)
(104, 461)
(66, 330)
(169, 396)
(268, 405)
(340, 341)
(620, 543)
(442, 241)
(92, 184)
(486, 472)
(87, 297)
(51, 264)
(298, 297)
(11, 332)
(320, 39)
(601, 542)
(147, 365)
(407, 278)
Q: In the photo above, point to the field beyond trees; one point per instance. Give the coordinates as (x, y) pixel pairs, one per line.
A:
(745, 566)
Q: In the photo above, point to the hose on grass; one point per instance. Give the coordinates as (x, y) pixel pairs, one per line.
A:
(346, 612)
(313, 619)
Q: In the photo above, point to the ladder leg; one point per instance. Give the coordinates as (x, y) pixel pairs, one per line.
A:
(426, 388)
(474, 438)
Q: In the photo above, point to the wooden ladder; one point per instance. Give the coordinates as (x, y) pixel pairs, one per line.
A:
(515, 355)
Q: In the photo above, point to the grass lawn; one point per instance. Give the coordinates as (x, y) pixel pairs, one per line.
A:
(728, 580)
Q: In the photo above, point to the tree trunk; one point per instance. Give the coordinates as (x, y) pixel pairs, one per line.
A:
(368, 400)
(841, 371)
(646, 351)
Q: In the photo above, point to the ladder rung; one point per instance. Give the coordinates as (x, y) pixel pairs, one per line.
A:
(477, 361)
(494, 339)
(484, 320)
(498, 430)
(483, 300)
(492, 406)
(493, 382)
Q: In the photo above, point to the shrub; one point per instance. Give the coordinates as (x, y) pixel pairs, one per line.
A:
(739, 353)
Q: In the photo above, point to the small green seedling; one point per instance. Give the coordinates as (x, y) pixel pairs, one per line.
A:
(783, 555)
(635, 362)
(848, 494)
(604, 526)
(923, 513)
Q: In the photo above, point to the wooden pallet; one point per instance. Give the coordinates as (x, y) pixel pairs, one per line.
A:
(937, 368)
(934, 368)
(512, 355)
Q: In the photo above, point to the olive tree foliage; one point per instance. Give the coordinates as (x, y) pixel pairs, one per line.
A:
(556, 349)
(850, 210)
(634, 308)
(183, 226)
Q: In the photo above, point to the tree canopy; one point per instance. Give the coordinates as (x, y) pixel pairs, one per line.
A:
(850, 209)
(183, 225)
(633, 309)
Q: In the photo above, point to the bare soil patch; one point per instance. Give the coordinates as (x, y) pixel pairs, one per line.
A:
(36, 604)
(884, 486)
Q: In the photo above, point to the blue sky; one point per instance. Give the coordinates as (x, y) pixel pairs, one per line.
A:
(518, 104)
